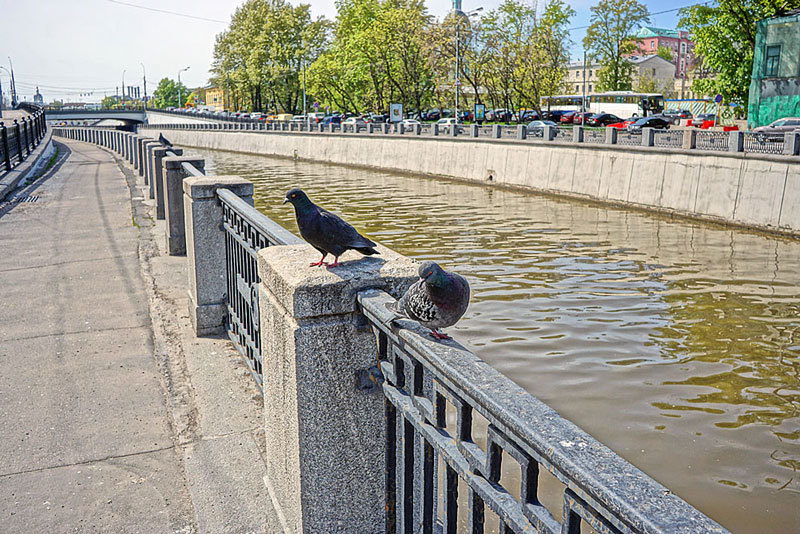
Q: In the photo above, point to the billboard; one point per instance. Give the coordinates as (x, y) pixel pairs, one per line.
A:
(395, 112)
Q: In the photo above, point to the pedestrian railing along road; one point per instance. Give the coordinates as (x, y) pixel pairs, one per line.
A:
(691, 139)
(19, 139)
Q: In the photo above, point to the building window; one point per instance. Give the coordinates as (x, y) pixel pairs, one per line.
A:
(652, 45)
(590, 88)
(577, 87)
(590, 73)
(773, 60)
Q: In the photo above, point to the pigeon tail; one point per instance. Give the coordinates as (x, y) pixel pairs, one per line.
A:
(397, 313)
(367, 251)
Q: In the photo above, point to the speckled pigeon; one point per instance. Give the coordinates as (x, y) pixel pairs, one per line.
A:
(163, 140)
(437, 300)
(326, 232)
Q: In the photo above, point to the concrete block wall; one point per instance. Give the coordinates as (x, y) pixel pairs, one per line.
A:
(743, 189)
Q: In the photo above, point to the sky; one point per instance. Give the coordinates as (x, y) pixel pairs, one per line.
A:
(79, 50)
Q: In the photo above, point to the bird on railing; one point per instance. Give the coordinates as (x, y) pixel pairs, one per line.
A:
(163, 140)
(437, 300)
(325, 231)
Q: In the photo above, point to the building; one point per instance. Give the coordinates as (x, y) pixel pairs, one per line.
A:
(775, 84)
(215, 98)
(650, 67)
(649, 39)
(38, 98)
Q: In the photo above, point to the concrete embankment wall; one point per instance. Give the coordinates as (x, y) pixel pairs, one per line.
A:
(733, 188)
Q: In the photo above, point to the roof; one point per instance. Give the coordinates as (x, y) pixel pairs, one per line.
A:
(638, 60)
(652, 31)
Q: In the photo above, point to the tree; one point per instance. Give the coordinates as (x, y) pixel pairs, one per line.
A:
(166, 94)
(664, 53)
(725, 39)
(109, 102)
(609, 40)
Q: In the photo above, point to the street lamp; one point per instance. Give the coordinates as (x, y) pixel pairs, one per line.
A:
(144, 83)
(459, 19)
(179, 87)
(123, 87)
(1, 92)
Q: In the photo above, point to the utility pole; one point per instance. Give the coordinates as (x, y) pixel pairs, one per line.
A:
(144, 83)
(13, 84)
(227, 92)
(583, 104)
(123, 87)
(1, 99)
(304, 89)
(180, 99)
(458, 63)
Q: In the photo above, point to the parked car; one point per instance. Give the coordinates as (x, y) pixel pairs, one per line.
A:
(576, 119)
(431, 115)
(448, 121)
(332, 119)
(567, 117)
(703, 118)
(316, 117)
(780, 126)
(256, 116)
(499, 115)
(536, 128)
(354, 121)
(299, 118)
(410, 123)
(554, 115)
(602, 119)
(675, 115)
(654, 121)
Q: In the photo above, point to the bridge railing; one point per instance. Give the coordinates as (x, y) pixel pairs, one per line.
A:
(702, 140)
(19, 139)
(384, 447)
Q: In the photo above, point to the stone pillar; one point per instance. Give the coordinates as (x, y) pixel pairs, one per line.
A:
(140, 153)
(159, 153)
(690, 139)
(385, 127)
(325, 436)
(173, 201)
(611, 136)
(418, 129)
(435, 129)
(791, 143)
(370, 128)
(648, 136)
(149, 171)
(453, 130)
(522, 132)
(401, 128)
(577, 134)
(736, 141)
(474, 130)
(497, 131)
(205, 248)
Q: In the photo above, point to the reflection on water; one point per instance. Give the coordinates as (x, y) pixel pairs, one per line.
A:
(678, 345)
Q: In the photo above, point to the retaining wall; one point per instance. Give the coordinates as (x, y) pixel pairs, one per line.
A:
(756, 191)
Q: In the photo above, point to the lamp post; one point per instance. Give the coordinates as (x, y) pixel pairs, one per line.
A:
(1, 91)
(458, 13)
(123, 87)
(13, 84)
(179, 88)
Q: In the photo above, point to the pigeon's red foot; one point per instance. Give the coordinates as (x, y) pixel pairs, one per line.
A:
(439, 335)
(335, 263)
(320, 262)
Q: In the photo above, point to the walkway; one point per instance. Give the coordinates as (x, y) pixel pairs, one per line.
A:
(114, 418)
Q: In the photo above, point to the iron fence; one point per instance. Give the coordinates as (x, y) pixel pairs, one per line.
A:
(716, 141)
(246, 232)
(594, 136)
(629, 138)
(668, 138)
(563, 134)
(764, 143)
(427, 456)
(19, 139)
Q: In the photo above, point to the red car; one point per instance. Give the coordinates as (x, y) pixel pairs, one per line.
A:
(576, 119)
(567, 117)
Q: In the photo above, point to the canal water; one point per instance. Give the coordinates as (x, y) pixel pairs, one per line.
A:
(676, 344)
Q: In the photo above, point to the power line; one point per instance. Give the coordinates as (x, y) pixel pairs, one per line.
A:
(185, 15)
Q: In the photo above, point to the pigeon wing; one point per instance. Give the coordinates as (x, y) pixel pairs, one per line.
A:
(417, 304)
(340, 232)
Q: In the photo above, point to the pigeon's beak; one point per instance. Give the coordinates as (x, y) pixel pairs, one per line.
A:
(285, 200)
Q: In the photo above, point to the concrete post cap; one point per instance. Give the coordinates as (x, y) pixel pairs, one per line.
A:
(198, 187)
(174, 162)
(317, 291)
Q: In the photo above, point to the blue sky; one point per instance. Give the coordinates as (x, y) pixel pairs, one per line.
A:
(86, 46)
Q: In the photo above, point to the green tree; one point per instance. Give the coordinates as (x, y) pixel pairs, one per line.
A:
(166, 94)
(725, 38)
(664, 53)
(609, 39)
(109, 102)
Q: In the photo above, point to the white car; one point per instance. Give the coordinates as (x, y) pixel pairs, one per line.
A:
(448, 121)
(410, 123)
(354, 120)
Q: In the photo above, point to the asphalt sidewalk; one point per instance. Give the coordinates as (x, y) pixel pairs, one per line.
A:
(114, 417)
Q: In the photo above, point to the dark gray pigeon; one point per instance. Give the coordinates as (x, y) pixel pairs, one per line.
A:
(163, 140)
(326, 232)
(437, 300)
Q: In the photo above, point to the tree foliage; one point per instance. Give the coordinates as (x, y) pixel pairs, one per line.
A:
(665, 53)
(609, 39)
(725, 37)
(262, 53)
(166, 94)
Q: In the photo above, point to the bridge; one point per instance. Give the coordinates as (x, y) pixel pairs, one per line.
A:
(130, 117)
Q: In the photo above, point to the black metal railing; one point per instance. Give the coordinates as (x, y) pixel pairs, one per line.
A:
(714, 141)
(19, 139)
(427, 456)
(668, 138)
(764, 143)
(246, 232)
(629, 138)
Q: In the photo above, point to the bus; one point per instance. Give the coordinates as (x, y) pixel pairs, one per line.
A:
(620, 103)
(627, 104)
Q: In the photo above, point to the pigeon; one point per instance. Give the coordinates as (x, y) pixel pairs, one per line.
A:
(437, 300)
(326, 232)
(163, 140)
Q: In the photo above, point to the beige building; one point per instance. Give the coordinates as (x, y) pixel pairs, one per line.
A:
(646, 68)
(215, 98)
